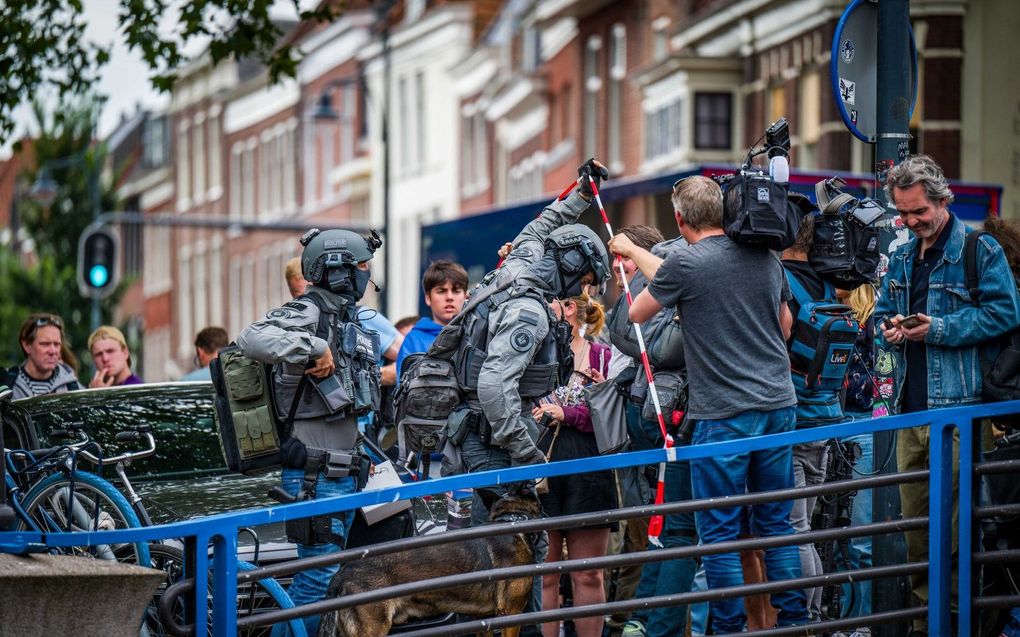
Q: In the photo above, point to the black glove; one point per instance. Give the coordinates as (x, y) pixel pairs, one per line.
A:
(591, 169)
(532, 456)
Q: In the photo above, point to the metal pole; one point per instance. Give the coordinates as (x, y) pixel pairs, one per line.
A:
(96, 316)
(892, 147)
(384, 11)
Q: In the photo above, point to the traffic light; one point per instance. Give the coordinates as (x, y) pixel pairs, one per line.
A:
(97, 261)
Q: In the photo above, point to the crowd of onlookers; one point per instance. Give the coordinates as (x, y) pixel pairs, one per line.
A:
(739, 310)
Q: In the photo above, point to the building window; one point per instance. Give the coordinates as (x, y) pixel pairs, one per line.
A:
(713, 121)
(531, 45)
(198, 162)
(777, 103)
(154, 142)
(349, 114)
(215, 160)
(183, 164)
(592, 87)
(419, 98)
(664, 129)
(236, 324)
(289, 166)
(200, 288)
(481, 150)
(264, 176)
(660, 37)
(185, 333)
(236, 187)
(327, 160)
(215, 275)
(617, 73)
(405, 123)
(248, 181)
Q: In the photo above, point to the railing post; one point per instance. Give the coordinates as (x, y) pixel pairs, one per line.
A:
(200, 595)
(966, 545)
(225, 585)
(940, 526)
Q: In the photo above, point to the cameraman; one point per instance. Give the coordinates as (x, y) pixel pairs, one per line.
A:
(732, 303)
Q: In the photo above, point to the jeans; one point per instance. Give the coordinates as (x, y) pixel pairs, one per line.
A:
(479, 456)
(310, 586)
(672, 576)
(699, 611)
(729, 475)
(860, 515)
(810, 461)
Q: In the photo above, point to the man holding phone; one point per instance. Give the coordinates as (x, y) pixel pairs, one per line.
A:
(933, 330)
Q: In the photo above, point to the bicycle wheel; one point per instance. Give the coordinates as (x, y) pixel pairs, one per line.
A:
(265, 595)
(52, 507)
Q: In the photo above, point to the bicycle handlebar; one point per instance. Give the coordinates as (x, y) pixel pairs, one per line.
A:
(124, 436)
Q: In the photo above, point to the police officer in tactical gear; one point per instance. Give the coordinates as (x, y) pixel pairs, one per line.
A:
(325, 375)
(509, 354)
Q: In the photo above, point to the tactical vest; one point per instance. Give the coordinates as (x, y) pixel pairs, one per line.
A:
(542, 375)
(352, 390)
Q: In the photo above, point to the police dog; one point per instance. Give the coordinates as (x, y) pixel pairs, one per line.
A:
(484, 599)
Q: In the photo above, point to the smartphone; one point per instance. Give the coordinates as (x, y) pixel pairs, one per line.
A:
(887, 323)
(910, 321)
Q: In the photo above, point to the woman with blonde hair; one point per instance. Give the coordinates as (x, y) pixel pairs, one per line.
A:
(568, 435)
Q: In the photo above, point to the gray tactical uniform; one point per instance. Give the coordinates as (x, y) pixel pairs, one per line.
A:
(517, 327)
(287, 335)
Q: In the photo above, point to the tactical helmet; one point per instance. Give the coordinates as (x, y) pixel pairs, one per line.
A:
(331, 257)
(578, 251)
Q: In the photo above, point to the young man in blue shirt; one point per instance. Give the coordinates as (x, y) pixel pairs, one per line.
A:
(445, 284)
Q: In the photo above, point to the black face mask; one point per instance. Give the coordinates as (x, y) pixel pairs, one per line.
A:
(347, 281)
(572, 266)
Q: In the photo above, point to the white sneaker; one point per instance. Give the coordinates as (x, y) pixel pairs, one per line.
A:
(633, 628)
(861, 632)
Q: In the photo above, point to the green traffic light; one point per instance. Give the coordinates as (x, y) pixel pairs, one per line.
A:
(99, 276)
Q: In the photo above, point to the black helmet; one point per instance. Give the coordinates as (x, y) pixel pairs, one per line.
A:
(578, 251)
(331, 257)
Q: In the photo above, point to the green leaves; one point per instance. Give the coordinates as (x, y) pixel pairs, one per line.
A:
(44, 42)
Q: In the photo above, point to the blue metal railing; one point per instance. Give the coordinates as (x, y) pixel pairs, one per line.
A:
(220, 531)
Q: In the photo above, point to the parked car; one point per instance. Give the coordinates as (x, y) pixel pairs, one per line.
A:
(187, 475)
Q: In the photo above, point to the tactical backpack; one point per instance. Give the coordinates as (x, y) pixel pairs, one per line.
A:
(429, 388)
(250, 433)
(844, 249)
(824, 333)
(1001, 377)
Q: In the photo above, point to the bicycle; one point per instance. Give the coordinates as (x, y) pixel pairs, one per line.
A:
(49, 494)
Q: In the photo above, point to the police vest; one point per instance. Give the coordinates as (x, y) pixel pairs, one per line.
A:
(352, 390)
(542, 375)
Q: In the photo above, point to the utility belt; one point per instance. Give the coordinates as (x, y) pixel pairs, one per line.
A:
(331, 464)
(464, 420)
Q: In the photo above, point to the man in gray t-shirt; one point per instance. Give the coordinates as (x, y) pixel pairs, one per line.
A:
(729, 301)
(732, 303)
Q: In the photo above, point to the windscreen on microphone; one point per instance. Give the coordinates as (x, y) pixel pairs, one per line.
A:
(375, 285)
(779, 169)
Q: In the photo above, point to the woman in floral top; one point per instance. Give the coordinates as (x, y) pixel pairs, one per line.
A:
(570, 435)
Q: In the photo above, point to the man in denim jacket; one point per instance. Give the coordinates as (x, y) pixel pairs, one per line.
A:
(937, 356)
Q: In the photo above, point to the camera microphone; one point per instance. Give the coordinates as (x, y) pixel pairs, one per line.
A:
(375, 285)
(779, 169)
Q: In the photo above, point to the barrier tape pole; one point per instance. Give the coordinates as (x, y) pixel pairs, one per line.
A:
(655, 525)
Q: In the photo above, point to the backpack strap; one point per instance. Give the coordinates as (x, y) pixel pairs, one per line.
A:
(797, 288)
(472, 303)
(970, 273)
(322, 331)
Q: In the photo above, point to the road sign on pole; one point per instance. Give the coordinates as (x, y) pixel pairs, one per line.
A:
(854, 66)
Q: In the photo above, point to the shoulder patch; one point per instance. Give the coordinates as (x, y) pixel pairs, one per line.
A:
(280, 313)
(296, 305)
(522, 339)
(528, 317)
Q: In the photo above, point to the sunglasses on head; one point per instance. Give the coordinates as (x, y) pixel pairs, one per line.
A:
(43, 321)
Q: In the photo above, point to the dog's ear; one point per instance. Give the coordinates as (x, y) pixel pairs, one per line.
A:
(489, 497)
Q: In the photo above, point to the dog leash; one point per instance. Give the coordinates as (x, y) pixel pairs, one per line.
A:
(656, 522)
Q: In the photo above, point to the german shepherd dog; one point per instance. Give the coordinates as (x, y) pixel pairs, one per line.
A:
(484, 599)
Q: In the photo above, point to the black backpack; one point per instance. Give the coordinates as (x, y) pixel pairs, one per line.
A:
(1001, 377)
(844, 249)
(428, 390)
